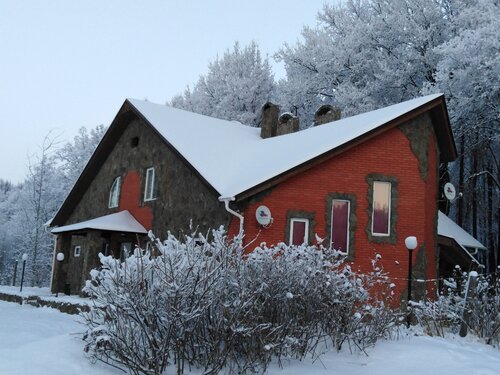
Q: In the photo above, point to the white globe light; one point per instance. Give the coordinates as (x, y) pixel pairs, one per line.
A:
(411, 242)
(25, 257)
(60, 257)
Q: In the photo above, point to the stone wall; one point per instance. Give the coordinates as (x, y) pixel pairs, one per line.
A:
(182, 198)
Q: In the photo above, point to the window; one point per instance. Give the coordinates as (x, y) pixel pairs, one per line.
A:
(381, 208)
(134, 142)
(77, 251)
(105, 249)
(149, 190)
(114, 193)
(340, 225)
(125, 249)
(299, 231)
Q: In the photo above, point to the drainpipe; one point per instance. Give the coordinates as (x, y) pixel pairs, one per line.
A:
(226, 201)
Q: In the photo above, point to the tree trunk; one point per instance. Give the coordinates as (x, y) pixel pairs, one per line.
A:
(473, 185)
(461, 177)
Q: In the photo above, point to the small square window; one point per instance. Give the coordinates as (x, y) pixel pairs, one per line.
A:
(77, 251)
(134, 142)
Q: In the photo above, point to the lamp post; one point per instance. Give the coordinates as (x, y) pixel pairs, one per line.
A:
(24, 258)
(411, 244)
(60, 258)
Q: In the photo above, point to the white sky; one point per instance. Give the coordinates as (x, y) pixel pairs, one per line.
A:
(67, 64)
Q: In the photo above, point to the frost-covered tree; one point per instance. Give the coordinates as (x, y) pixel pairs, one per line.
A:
(367, 54)
(40, 197)
(74, 155)
(235, 87)
(468, 73)
(27, 207)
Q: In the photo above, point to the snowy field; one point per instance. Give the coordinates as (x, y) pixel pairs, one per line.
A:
(40, 341)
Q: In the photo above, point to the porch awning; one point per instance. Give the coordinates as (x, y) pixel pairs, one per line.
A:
(452, 235)
(122, 221)
(448, 228)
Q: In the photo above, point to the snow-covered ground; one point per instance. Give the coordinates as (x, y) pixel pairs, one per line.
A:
(40, 341)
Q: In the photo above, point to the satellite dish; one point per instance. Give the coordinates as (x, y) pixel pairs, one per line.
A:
(263, 215)
(449, 191)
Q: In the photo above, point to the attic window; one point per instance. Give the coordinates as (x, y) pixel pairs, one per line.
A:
(134, 142)
(114, 193)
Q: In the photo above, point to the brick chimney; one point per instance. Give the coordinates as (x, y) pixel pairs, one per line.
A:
(287, 123)
(269, 122)
(326, 113)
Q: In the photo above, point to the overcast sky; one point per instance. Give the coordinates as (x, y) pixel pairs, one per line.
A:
(67, 64)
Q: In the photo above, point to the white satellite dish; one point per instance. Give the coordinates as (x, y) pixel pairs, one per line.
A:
(449, 191)
(263, 215)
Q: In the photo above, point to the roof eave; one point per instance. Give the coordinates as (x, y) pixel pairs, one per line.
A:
(95, 162)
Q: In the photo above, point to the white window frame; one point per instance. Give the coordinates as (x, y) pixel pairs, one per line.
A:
(389, 209)
(114, 193)
(348, 223)
(150, 185)
(77, 250)
(306, 231)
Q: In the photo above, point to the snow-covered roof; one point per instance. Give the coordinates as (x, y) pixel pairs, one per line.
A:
(448, 228)
(234, 158)
(122, 221)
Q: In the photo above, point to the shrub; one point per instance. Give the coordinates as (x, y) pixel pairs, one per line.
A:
(207, 304)
(446, 312)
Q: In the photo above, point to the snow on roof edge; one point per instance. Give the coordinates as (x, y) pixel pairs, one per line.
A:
(448, 228)
(187, 133)
(122, 221)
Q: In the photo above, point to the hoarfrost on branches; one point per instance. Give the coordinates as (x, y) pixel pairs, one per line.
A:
(201, 301)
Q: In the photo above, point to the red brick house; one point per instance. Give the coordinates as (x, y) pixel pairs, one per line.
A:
(362, 183)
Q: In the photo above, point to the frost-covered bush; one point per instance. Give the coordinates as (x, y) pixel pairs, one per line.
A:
(155, 309)
(445, 314)
(286, 300)
(208, 304)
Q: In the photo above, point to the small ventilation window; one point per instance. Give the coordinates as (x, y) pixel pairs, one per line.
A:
(134, 142)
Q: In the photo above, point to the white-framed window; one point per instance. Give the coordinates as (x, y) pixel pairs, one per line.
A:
(114, 193)
(149, 189)
(381, 208)
(339, 231)
(77, 251)
(299, 231)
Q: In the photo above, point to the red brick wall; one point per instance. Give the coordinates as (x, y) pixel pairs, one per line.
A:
(431, 197)
(388, 154)
(130, 199)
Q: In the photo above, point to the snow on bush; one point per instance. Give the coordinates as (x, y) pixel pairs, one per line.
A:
(205, 303)
(445, 314)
